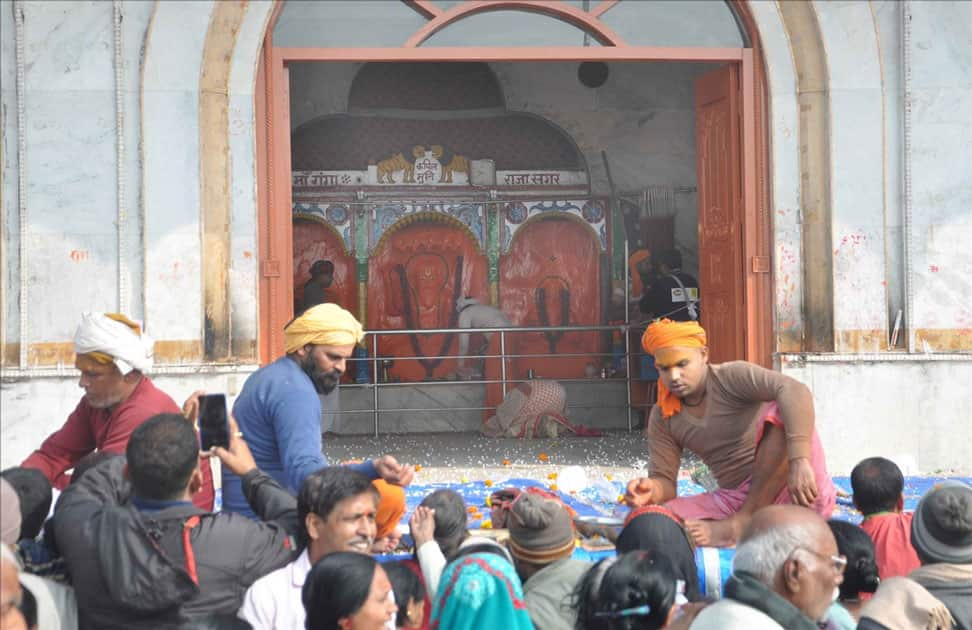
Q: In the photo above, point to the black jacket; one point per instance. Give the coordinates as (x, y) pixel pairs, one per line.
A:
(955, 594)
(129, 568)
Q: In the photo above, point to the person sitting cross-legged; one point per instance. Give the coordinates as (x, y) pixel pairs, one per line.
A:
(753, 428)
(142, 556)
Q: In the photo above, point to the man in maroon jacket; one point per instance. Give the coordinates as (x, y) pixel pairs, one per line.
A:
(111, 353)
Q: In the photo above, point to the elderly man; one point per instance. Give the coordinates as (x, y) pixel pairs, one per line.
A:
(336, 511)
(785, 574)
(279, 409)
(112, 352)
(758, 454)
(142, 556)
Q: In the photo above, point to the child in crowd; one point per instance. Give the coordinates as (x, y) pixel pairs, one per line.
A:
(860, 574)
(878, 487)
(409, 595)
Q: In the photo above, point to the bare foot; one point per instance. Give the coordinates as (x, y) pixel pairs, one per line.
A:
(723, 533)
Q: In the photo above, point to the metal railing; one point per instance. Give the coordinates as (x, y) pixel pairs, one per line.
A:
(628, 360)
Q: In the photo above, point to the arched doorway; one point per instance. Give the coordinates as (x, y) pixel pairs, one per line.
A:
(418, 273)
(605, 29)
(313, 241)
(549, 277)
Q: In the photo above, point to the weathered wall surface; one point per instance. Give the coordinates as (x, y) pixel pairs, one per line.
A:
(941, 164)
(901, 405)
(913, 410)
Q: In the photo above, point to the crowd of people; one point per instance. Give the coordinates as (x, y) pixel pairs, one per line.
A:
(147, 531)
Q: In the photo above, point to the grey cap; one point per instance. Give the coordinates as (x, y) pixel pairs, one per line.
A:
(941, 529)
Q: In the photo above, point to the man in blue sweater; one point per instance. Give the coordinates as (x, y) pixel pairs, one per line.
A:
(279, 409)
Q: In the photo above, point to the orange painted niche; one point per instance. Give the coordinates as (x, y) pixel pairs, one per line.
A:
(315, 241)
(550, 278)
(412, 284)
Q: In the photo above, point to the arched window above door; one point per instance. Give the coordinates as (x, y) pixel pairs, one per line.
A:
(350, 24)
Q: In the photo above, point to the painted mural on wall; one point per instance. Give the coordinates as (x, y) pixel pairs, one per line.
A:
(549, 277)
(415, 278)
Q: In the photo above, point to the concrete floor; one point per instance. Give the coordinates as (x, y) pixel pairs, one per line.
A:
(453, 457)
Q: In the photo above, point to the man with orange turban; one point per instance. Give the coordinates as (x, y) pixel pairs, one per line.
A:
(753, 428)
(112, 353)
(279, 408)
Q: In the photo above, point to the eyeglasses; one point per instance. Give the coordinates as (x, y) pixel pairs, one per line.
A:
(838, 563)
(637, 611)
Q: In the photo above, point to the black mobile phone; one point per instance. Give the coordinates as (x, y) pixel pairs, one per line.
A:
(213, 422)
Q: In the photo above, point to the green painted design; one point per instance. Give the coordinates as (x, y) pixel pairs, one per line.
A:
(493, 243)
(360, 227)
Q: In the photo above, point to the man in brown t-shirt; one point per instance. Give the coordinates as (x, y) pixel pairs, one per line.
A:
(759, 453)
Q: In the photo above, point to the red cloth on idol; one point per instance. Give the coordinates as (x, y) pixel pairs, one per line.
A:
(88, 429)
(891, 533)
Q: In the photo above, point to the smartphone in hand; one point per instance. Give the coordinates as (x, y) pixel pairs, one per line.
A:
(213, 422)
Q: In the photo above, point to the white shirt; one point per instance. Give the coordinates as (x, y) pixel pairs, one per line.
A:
(273, 602)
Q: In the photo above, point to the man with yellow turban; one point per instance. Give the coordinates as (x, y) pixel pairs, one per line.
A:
(753, 428)
(279, 409)
(112, 353)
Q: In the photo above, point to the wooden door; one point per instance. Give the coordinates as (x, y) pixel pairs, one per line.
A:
(718, 155)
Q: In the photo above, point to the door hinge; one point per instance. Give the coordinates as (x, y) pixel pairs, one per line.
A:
(761, 264)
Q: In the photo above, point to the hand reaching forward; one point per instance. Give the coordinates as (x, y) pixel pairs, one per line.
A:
(391, 471)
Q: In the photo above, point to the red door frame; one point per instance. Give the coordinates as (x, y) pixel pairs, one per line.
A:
(273, 144)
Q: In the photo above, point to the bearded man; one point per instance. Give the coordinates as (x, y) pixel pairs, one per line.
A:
(753, 427)
(112, 352)
(279, 409)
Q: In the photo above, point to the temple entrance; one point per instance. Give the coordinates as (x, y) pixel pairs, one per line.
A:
(526, 185)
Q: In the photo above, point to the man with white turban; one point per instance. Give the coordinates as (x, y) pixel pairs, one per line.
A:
(279, 409)
(112, 353)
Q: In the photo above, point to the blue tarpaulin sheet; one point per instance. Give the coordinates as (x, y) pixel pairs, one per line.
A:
(600, 499)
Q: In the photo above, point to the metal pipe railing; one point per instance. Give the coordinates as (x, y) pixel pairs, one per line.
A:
(378, 382)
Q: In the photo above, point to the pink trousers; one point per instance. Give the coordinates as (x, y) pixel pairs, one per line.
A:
(723, 503)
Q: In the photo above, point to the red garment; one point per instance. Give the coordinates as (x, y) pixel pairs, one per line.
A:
(88, 429)
(891, 533)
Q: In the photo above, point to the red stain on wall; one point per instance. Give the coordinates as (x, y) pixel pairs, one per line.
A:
(78, 255)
